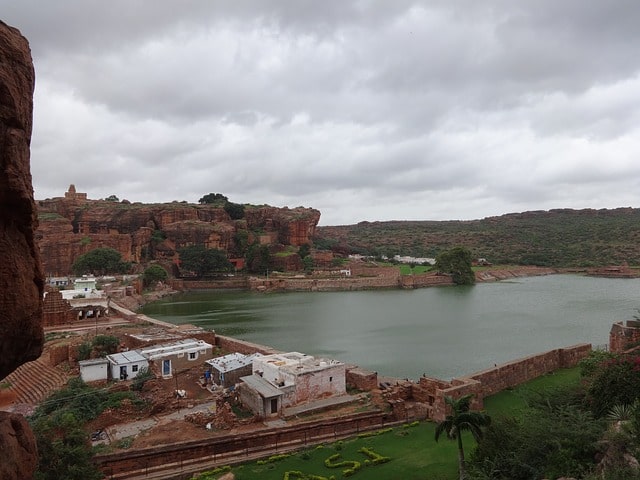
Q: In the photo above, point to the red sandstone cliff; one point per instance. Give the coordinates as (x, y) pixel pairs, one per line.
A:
(21, 280)
(73, 225)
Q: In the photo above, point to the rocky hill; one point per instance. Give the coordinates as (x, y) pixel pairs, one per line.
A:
(555, 238)
(72, 225)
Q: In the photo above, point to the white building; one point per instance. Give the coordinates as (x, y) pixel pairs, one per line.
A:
(301, 378)
(178, 355)
(94, 369)
(126, 365)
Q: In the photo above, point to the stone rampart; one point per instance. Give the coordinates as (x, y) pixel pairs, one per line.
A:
(622, 336)
(503, 376)
(239, 282)
(323, 284)
(361, 379)
(425, 280)
(229, 344)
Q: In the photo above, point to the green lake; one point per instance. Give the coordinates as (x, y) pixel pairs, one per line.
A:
(441, 331)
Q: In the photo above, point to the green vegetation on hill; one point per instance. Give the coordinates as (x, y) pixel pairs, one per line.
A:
(555, 238)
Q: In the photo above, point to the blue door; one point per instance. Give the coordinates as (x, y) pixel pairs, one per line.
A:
(166, 368)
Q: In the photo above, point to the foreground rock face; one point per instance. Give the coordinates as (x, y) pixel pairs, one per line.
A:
(73, 225)
(21, 279)
(18, 447)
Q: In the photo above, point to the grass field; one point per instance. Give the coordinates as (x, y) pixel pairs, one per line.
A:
(412, 449)
(414, 456)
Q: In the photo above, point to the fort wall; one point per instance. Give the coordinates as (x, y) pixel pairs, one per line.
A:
(491, 381)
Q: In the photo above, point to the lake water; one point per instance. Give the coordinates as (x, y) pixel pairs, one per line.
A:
(442, 331)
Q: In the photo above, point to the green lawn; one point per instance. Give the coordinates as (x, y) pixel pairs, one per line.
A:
(414, 456)
(511, 402)
(416, 269)
(413, 451)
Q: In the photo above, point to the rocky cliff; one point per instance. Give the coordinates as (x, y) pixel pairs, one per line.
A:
(73, 225)
(21, 280)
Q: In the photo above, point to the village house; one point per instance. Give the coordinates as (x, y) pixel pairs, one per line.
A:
(126, 365)
(165, 359)
(94, 369)
(227, 370)
(283, 380)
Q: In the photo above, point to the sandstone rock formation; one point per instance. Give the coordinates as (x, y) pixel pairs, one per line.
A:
(73, 225)
(21, 279)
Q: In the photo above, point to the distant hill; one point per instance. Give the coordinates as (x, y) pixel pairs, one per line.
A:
(555, 238)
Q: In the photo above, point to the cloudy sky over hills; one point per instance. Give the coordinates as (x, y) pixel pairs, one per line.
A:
(365, 110)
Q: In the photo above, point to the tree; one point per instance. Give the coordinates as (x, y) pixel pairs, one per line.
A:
(461, 419)
(258, 259)
(457, 262)
(112, 198)
(154, 274)
(202, 261)
(234, 210)
(63, 448)
(100, 261)
(304, 250)
(213, 198)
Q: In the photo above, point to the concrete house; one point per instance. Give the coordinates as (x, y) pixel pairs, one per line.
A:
(180, 355)
(94, 369)
(226, 371)
(287, 379)
(126, 365)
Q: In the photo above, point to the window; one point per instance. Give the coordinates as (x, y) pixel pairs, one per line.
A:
(192, 355)
(134, 368)
(331, 379)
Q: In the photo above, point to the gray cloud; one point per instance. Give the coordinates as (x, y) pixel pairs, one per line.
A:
(366, 110)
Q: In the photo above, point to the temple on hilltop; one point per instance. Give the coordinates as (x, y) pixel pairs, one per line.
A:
(71, 194)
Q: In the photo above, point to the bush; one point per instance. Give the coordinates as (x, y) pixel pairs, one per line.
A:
(106, 344)
(154, 274)
(615, 382)
(84, 350)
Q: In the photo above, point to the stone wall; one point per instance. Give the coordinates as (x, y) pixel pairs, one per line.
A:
(231, 345)
(324, 284)
(425, 280)
(60, 353)
(503, 376)
(361, 379)
(622, 335)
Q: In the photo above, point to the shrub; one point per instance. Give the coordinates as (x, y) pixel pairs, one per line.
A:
(106, 344)
(154, 274)
(84, 350)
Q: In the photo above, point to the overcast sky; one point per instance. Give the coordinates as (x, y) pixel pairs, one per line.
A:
(365, 110)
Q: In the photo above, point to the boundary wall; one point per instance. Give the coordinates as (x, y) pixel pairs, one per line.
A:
(494, 380)
(229, 449)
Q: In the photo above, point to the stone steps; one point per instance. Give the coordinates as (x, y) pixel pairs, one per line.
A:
(35, 381)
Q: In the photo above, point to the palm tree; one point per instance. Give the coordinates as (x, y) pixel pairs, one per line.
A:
(459, 420)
